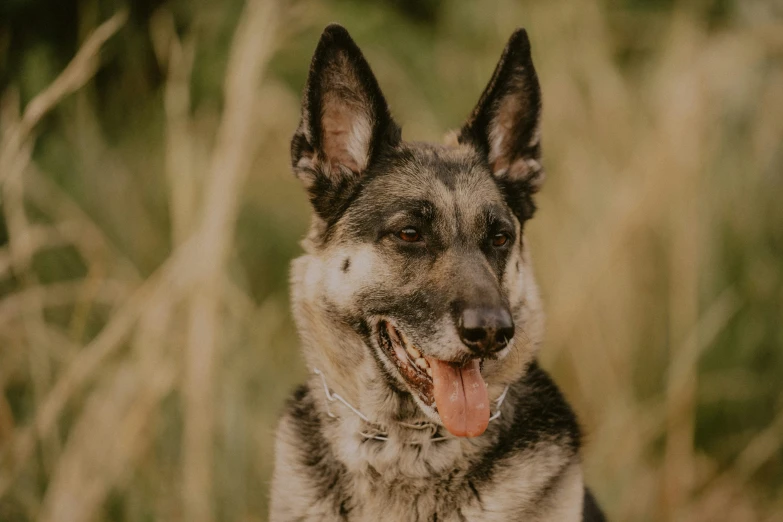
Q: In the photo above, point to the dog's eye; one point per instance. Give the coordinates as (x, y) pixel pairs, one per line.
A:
(499, 239)
(409, 235)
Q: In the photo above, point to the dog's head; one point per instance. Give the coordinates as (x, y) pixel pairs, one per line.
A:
(417, 275)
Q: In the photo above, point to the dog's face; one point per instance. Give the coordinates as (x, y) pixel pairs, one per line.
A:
(416, 251)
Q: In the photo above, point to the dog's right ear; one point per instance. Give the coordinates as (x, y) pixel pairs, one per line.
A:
(345, 123)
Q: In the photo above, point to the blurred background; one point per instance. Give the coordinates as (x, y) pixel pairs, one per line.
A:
(149, 217)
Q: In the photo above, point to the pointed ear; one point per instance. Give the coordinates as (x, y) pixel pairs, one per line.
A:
(345, 121)
(505, 125)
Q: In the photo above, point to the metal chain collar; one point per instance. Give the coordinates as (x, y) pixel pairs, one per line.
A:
(377, 431)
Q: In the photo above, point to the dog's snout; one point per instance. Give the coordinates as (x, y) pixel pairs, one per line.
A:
(485, 330)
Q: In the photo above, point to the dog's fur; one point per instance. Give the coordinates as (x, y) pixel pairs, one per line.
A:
(365, 184)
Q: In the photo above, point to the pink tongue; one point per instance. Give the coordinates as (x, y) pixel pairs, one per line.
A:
(461, 396)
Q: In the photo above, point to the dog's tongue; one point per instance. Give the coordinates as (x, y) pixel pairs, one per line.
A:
(461, 396)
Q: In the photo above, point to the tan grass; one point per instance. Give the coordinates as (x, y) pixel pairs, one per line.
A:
(231, 160)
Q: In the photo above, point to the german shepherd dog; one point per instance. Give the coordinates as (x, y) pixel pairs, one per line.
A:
(419, 315)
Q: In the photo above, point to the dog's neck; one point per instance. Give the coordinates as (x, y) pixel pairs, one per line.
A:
(374, 430)
(400, 440)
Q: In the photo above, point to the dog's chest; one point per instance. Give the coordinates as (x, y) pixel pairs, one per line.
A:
(412, 499)
(460, 497)
(441, 483)
(392, 481)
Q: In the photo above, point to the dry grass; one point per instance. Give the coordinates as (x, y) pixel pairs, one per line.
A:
(150, 394)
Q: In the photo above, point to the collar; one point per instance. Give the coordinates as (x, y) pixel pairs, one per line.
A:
(376, 431)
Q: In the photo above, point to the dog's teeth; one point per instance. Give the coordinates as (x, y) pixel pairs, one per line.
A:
(422, 363)
(429, 371)
(413, 352)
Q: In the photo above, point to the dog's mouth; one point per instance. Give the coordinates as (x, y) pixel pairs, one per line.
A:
(457, 390)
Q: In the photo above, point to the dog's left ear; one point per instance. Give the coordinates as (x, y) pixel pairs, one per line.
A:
(345, 122)
(505, 125)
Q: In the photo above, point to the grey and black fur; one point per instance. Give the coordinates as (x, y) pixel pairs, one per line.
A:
(366, 185)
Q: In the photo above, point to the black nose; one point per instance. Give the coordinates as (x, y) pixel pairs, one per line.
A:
(485, 330)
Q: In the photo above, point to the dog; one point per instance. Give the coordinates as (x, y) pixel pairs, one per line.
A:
(419, 314)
